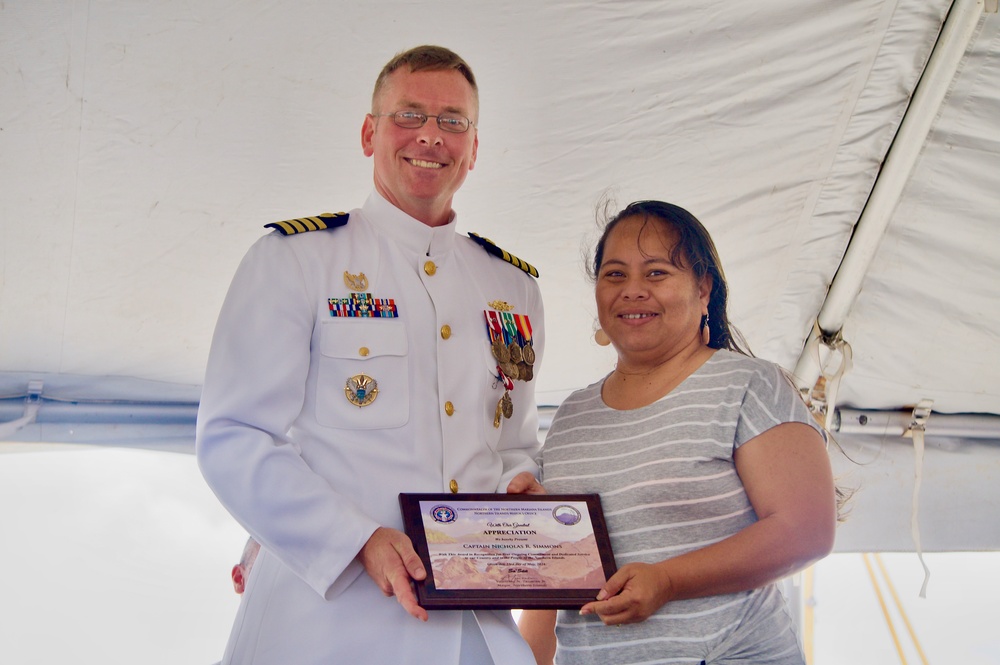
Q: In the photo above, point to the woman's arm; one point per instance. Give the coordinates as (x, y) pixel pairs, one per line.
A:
(787, 477)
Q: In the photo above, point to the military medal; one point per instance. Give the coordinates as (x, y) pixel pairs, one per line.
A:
(500, 350)
(524, 372)
(507, 405)
(505, 408)
(514, 349)
(511, 346)
(363, 305)
(523, 327)
(528, 352)
(361, 390)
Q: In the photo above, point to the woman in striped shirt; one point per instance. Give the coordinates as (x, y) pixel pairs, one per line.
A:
(714, 479)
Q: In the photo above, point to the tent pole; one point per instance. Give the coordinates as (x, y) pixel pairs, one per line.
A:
(942, 65)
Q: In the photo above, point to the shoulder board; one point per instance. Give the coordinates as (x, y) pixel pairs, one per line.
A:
(491, 247)
(324, 222)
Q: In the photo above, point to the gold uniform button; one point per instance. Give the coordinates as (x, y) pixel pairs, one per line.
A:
(363, 351)
(449, 408)
(430, 268)
(453, 486)
(445, 331)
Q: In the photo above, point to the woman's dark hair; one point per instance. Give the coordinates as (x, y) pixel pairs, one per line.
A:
(694, 251)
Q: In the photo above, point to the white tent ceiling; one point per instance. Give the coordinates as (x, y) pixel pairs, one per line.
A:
(145, 144)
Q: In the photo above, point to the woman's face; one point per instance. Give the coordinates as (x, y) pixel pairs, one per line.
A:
(650, 307)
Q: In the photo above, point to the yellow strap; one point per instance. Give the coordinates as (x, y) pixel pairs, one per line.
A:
(899, 608)
(885, 610)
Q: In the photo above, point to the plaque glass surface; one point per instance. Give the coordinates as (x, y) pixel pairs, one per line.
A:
(505, 551)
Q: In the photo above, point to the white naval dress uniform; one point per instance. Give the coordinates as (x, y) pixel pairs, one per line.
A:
(311, 475)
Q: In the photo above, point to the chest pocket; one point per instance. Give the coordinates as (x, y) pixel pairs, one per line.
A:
(368, 355)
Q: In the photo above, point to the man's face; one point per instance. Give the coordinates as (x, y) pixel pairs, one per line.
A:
(419, 170)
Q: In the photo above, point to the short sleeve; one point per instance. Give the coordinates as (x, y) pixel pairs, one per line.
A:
(770, 400)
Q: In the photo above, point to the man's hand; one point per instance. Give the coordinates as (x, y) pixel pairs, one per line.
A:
(390, 560)
(525, 483)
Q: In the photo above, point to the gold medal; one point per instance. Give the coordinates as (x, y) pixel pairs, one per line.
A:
(528, 352)
(525, 372)
(500, 351)
(361, 390)
(514, 349)
(510, 369)
(498, 413)
(507, 405)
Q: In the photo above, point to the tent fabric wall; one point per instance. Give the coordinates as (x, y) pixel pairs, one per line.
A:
(145, 145)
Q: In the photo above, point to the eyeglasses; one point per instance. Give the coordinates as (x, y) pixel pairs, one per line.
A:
(449, 122)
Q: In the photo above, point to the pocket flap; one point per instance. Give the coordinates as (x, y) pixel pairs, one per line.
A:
(359, 339)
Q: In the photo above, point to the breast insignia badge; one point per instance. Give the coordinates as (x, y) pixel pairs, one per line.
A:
(361, 390)
(355, 282)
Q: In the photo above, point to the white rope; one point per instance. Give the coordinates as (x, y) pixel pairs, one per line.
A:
(917, 428)
(9, 428)
(838, 348)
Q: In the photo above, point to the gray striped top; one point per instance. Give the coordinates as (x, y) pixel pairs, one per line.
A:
(668, 485)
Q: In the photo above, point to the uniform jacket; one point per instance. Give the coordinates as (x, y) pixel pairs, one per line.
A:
(311, 474)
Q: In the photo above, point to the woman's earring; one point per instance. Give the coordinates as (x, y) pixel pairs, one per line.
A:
(601, 337)
(706, 334)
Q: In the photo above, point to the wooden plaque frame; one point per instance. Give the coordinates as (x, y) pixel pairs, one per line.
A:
(447, 506)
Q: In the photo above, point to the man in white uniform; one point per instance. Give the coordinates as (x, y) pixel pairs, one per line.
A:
(359, 356)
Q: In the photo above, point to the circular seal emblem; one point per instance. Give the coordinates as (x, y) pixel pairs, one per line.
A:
(361, 390)
(443, 514)
(529, 354)
(567, 515)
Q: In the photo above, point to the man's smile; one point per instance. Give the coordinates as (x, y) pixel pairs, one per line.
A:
(424, 164)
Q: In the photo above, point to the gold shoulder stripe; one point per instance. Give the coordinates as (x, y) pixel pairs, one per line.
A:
(491, 247)
(324, 222)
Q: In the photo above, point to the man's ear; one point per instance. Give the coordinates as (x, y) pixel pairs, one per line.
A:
(367, 132)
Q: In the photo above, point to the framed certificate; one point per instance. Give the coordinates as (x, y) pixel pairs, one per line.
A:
(506, 551)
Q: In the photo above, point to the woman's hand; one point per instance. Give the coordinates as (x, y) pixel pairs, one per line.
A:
(632, 594)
